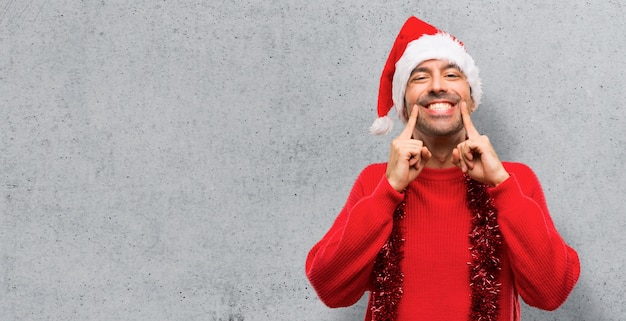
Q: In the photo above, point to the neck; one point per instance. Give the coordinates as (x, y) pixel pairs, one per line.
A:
(441, 148)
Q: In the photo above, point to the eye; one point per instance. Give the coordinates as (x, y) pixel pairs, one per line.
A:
(419, 77)
(453, 73)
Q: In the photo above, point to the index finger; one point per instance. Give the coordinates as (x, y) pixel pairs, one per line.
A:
(470, 130)
(407, 133)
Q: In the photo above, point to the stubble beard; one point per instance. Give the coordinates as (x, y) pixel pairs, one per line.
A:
(431, 128)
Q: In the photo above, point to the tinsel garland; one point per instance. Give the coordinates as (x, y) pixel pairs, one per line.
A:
(485, 242)
(388, 276)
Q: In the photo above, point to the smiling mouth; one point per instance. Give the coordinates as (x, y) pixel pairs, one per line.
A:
(439, 106)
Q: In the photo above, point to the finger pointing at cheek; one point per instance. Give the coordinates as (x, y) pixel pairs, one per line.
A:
(407, 133)
(471, 131)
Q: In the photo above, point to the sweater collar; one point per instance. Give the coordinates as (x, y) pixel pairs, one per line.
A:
(445, 174)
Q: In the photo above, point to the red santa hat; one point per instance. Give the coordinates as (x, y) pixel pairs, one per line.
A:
(417, 42)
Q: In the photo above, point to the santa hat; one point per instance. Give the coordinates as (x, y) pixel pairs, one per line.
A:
(417, 42)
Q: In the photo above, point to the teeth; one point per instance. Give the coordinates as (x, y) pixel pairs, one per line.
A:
(440, 106)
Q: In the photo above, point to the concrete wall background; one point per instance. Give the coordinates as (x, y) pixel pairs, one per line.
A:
(175, 160)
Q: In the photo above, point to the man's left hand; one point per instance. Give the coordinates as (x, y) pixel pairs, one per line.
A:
(476, 157)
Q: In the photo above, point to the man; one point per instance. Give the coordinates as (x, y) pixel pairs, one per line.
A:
(444, 230)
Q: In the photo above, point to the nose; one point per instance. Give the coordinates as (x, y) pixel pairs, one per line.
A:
(438, 84)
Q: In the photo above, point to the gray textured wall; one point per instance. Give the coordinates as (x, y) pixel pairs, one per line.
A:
(175, 160)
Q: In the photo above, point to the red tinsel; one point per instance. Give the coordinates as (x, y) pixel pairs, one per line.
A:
(485, 241)
(388, 276)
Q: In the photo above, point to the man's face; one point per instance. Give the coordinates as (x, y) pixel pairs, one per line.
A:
(438, 87)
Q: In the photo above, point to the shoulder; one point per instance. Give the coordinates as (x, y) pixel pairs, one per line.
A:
(371, 175)
(376, 168)
(524, 175)
(373, 172)
(518, 168)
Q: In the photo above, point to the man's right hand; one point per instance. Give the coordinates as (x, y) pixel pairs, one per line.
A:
(407, 157)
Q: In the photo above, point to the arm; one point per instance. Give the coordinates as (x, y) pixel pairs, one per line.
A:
(339, 266)
(545, 268)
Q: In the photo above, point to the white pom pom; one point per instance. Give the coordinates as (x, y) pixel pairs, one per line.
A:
(381, 126)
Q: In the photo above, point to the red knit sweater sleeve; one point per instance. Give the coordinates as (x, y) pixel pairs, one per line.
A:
(545, 268)
(340, 264)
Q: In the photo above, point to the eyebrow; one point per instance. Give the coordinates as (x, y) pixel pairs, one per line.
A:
(424, 69)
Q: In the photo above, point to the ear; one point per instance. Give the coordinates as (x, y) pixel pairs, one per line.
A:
(472, 107)
(405, 111)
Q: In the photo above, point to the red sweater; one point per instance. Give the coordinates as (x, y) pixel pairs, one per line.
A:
(536, 263)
